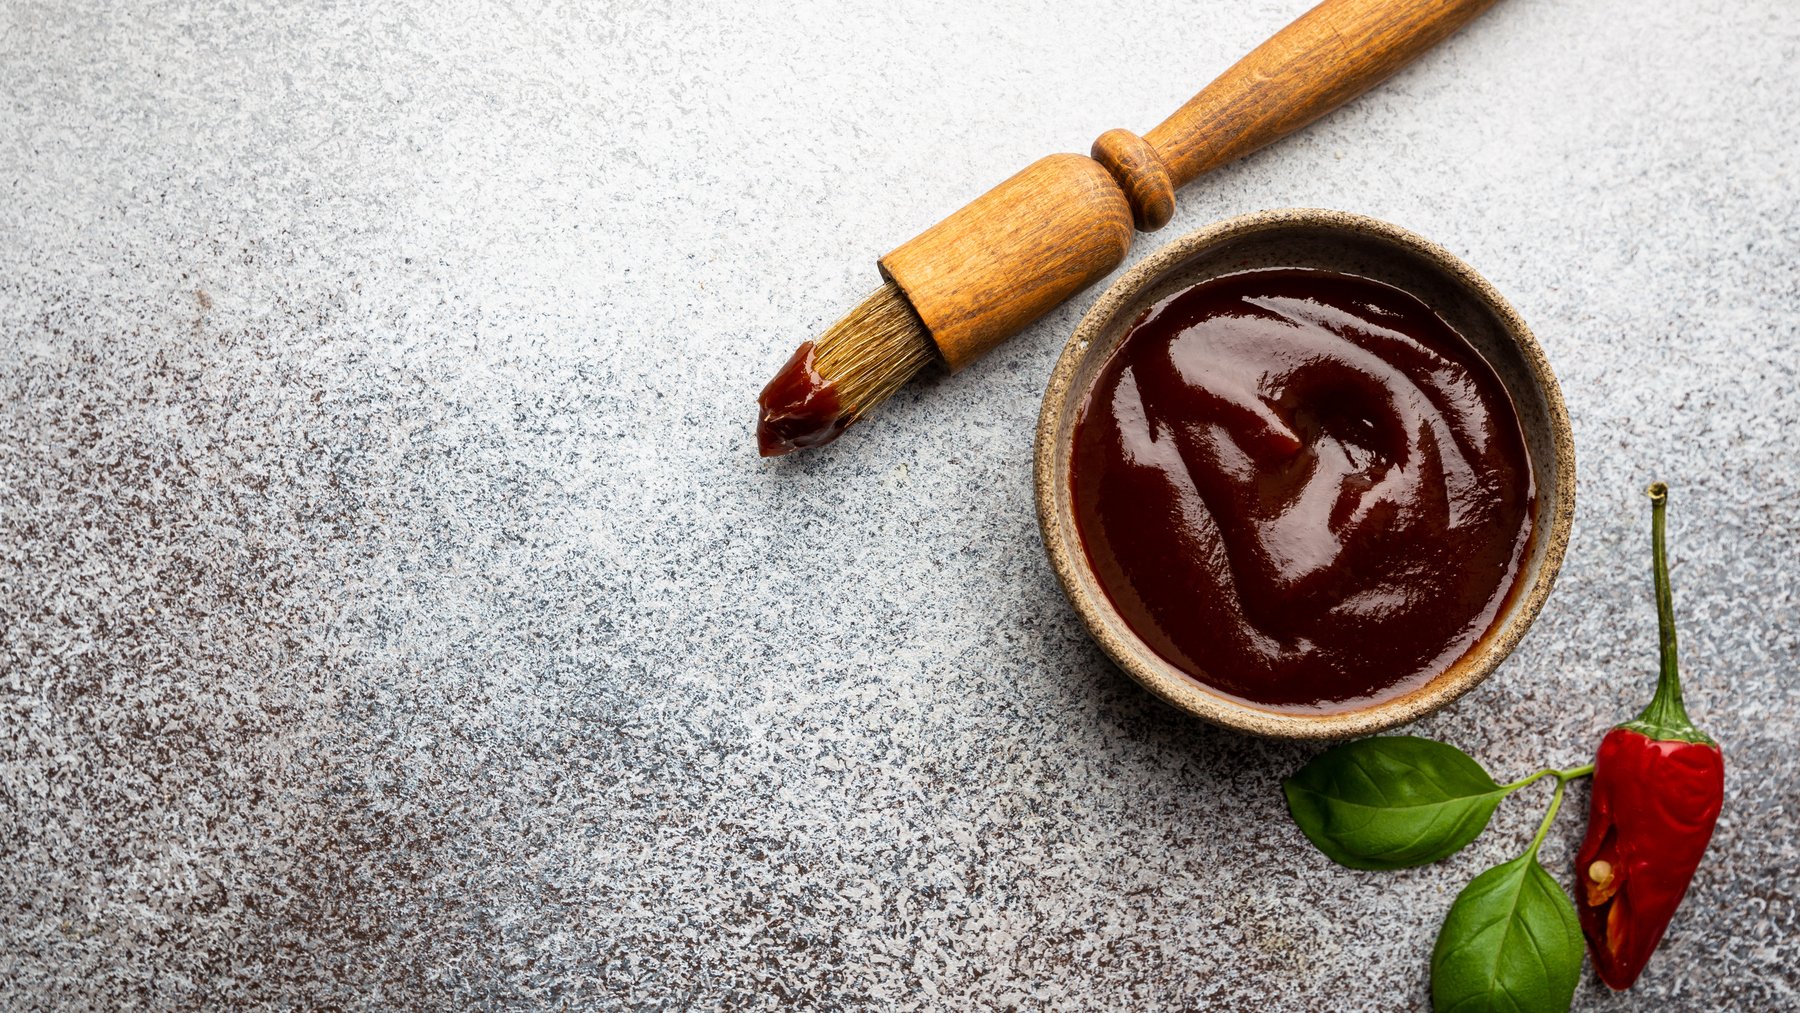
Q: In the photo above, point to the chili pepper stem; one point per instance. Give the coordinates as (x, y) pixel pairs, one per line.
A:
(1666, 716)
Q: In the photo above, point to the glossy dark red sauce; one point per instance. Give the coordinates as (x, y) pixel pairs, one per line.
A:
(799, 408)
(1303, 489)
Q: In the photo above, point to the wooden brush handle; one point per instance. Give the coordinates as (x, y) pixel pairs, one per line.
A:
(1064, 222)
(1333, 53)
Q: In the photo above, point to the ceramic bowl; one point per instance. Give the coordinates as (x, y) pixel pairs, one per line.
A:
(1352, 244)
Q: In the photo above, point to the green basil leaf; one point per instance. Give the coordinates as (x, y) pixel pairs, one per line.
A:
(1391, 802)
(1510, 944)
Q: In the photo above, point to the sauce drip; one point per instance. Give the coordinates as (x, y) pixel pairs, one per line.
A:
(800, 408)
(1303, 489)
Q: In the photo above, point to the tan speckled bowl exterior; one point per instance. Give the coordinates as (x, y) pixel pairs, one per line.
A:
(1333, 240)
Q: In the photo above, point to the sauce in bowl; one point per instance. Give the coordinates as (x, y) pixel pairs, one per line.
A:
(1303, 489)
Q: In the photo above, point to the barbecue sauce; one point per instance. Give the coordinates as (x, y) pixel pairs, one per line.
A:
(1303, 489)
(800, 408)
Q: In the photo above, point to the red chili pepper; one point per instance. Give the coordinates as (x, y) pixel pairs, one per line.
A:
(1658, 785)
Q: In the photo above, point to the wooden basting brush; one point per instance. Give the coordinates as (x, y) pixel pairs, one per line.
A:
(988, 271)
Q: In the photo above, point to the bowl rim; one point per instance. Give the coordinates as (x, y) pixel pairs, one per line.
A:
(1174, 686)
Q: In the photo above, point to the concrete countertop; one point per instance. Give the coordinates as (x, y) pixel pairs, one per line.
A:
(393, 611)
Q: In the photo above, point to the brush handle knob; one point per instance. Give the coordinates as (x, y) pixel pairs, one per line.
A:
(1330, 55)
(1141, 174)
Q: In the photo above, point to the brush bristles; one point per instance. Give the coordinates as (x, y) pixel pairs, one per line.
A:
(873, 350)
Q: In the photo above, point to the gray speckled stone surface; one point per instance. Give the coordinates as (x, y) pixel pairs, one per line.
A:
(393, 611)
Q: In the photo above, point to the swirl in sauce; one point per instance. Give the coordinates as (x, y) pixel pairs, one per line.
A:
(1303, 489)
